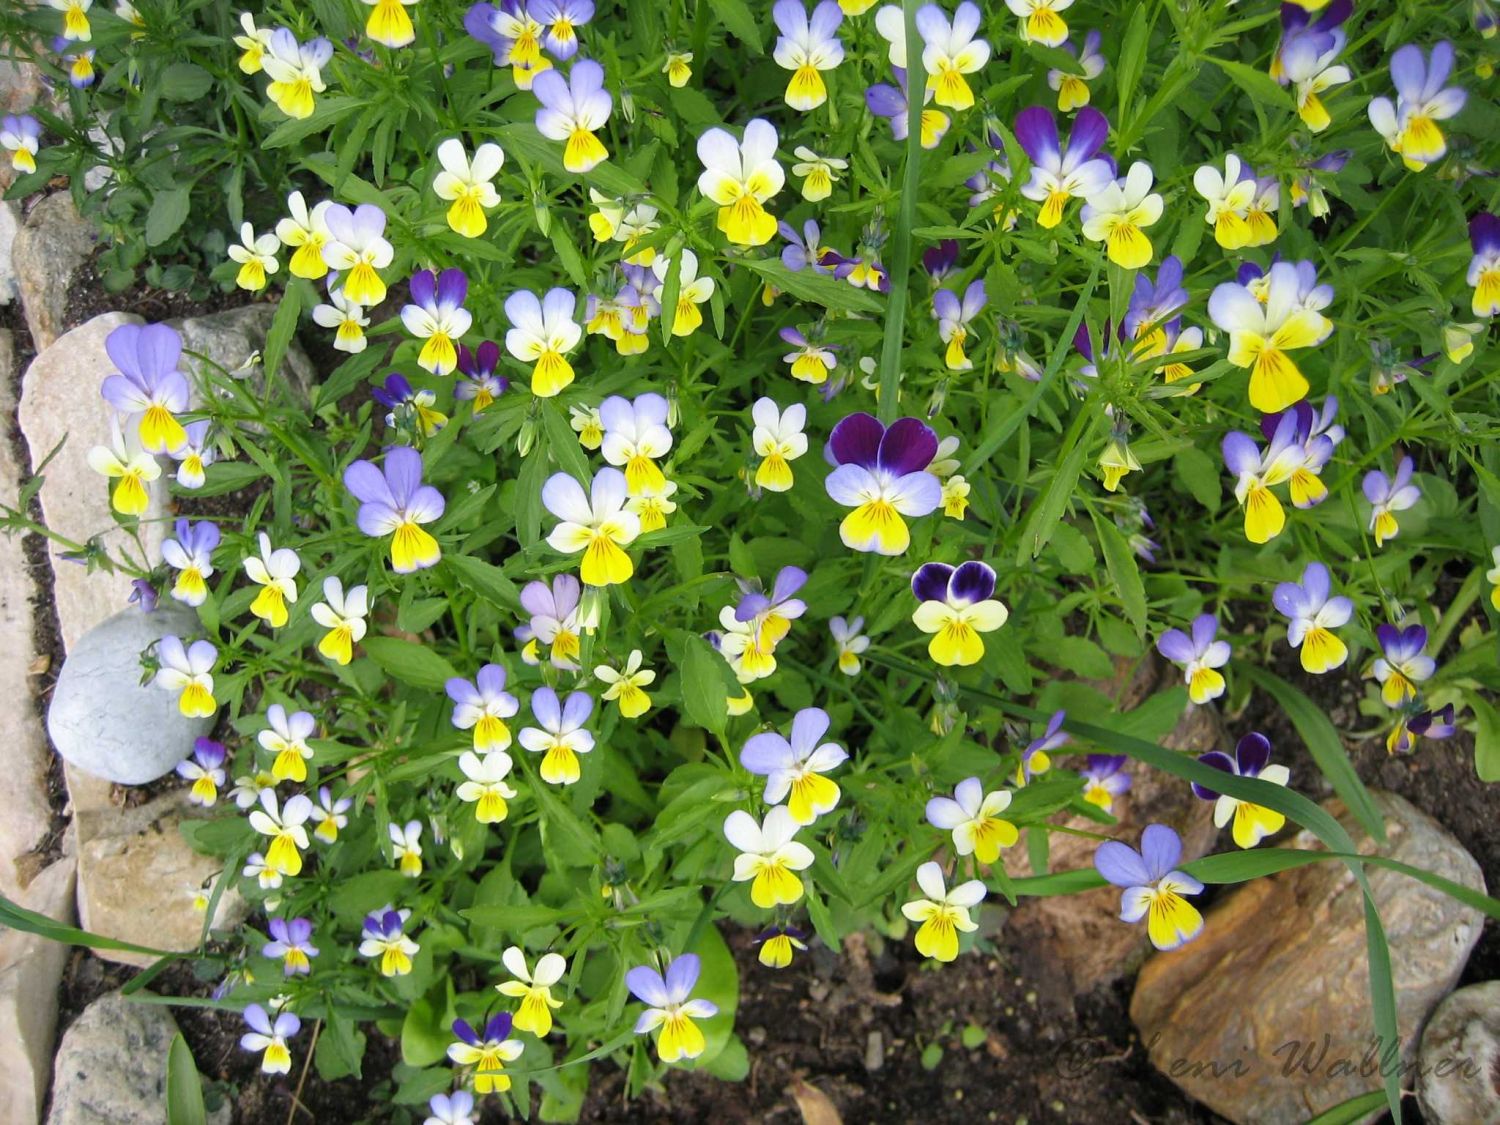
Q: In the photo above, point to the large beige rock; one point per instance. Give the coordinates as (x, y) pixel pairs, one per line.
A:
(51, 246)
(1458, 1068)
(1266, 1017)
(30, 971)
(10, 225)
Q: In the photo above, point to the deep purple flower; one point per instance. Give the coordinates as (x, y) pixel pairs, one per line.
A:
(481, 381)
(1252, 757)
(882, 474)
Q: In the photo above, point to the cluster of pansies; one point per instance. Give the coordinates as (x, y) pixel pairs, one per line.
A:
(576, 600)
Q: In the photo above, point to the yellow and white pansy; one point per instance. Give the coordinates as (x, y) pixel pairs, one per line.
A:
(778, 440)
(256, 255)
(286, 737)
(468, 184)
(542, 333)
(692, 291)
(343, 615)
(819, 173)
(124, 461)
(533, 987)
(283, 824)
(973, 816)
(626, 685)
(189, 672)
(943, 914)
(741, 176)
(485, 786)
(769, 856)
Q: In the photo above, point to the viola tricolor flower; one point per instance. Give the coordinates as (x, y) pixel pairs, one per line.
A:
(1410, 125)
(678, 68)
(291, 944)
(740, 176)
(794, 768)
(543, 332)
(555, 621)
(343, 615)
(330, 815)
(533, 988)
(811, 362)
(1424, 724)
(1036, 757)
(436, 315)
(596, 524)
(671, 1007)
(1264, 328)
(627, 685)
(807, 46)
(383, 937)
(850, 643)
(776, 946)
(1154, 889)
(1229, 195)
(194, 455)
(296, 74)
(356, 243)
(393, 501)
(882, 474)
(635, 438)
(950, 51)
(188, 671)
(771, 615)
(778, 440)
(485, 786)
(388, 24)
(270, 1038)
(1199, 657)
(769, 856)
(283, 824)
(1306, 58)
(456, 1108)
(346, 318)
(692, 290)
(483, 705)
(1484, 266)
(1402, 664)
(1040, 22)
(406, 847)
(954, 319)
(205, 769)
(890, 102)
(559, 734)
(819, 173)
(1073, 88)
(190, 553)
(148, 389)
(468, 184)
(286, 737)
(1104, 779)
(1060, 173)
(410, 410)
(973, 816)
(307, 233)
(253, 44)
(1117, 214)
(573, 110)
(1252, 822)
(1387, 496)
(20, 135)
(1312, 613)
(943, 914)
(487, 1053)
(957, 605)
(132, 466)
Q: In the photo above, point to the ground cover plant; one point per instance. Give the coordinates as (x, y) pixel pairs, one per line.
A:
(734, 466)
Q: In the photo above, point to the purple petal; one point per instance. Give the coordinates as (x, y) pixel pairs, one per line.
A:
(930, 582)
(909, 446)
(1205, 628)
(1121, 864)
(1161, 848)
(766, 752)
(368, 485)
(403, 473)
(856, 441)
(452, 287)
(1253, 754)
(1090, 131)
(1219, 761)
(1175, 646)
(576, 709)
(1036, 131)
(808, 728)
(423, 285)
(682, 975)
(971, 582)
(546, 709)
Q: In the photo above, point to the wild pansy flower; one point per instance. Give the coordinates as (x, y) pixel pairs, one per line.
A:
(943, 914)
(805, 250)
(147, 386)
(1154, 889)
(1312, 613)
(1060, 173)
(1229, 195)
(849, 642)
(890, 102)
(270, 1038)
(573, 110)
(794, 767)
(347, 318)
(562, 19)
(1402, 664)
(950, 51)
(740, 176)
(1410, 126)
(778, 440)
(1073, 88)
(596, 524)
(468, 184)
(653, 506)
(1040, 22)
(954, 319)
(957, 606)
(383, 937)
(1260, 215)
(253, 44)
(559, 734)
(406, 847)
(20, 135)
(487, 1053)
(188, 671)
(635, 437)
(132, 466)
(1036, 757)
(1199, 656)
(484, 785)
(393, 501)
(286, 737)
(1484, 266)
(1425, 724)
(627, 685)
(1307, 60)
(408, 409)
(1263, 332)
(777, 944)
(543, 332)
(296, 74)
(522, 34)
(955, 497)
(143, 594)
(482, 705)
(194, 455)
(554, 620)
(1252, 822)
(1116, 215)
(330, 815)
(1306, 187)
(973, 816)
(190, 553)
(864, 269)
(881, 473)
(807, 46)
(436, 315)
(1387, 496)
(1104, 779)
(205, 769)
(671, 1007)
(692, 290)
(343, 615)
(388, 24)
(266, 876)
(357, 243)
(79, 64)
(283, 824)
(1257, 472)
(819, 173)
(75, 18)
(1153, 304)
(769, 856)
(750, 656)
(306, 232)
(678, 68)
(533, 988)
(811, 362)
(248, 788)
(456, 1108)
(291, 943)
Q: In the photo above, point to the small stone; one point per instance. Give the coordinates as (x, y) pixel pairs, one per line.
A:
(1265, 1017)
(112, 1065)
(104, 720)
(874, 1051)
(49, 249)
(1458, 1067)
(30, 970)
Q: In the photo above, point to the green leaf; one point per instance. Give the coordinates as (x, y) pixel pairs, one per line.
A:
(565, 838)
(183, 82)
(718, 982)
(1046, 512)
(1260, 86)
(704, 694)
(16, 917)
(805, 285)
(341, 1049)
(563, 443)
(283, 328)
(169, 210)
(1355, 1109)
(184, 1085)
(735, 15)
(1486, 738)
(485, 579)
(424, 1031)
(1120, 560)
(1133, 54)
(327, 113)
(409, 662)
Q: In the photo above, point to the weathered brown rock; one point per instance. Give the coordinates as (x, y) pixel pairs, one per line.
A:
(1266, 1017)
(1458, 1067)
(51, 245)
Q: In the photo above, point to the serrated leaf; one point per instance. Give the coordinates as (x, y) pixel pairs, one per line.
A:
(169, 210)
(704, 695)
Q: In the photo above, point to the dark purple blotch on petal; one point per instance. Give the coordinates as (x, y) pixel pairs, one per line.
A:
(930, 582)
(1219, 761)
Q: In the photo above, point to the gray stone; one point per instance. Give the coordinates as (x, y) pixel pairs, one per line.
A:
(10, 223)
(1266, 1018)
(231, 338)
(49, 248)
(1458, 1066)
(30, 970)
(111, 1068)
(104, 720)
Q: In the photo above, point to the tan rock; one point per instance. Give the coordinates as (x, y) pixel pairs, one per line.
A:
(1458, 1067)
(30, 971)
(1266, 1016)
(48, 250)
